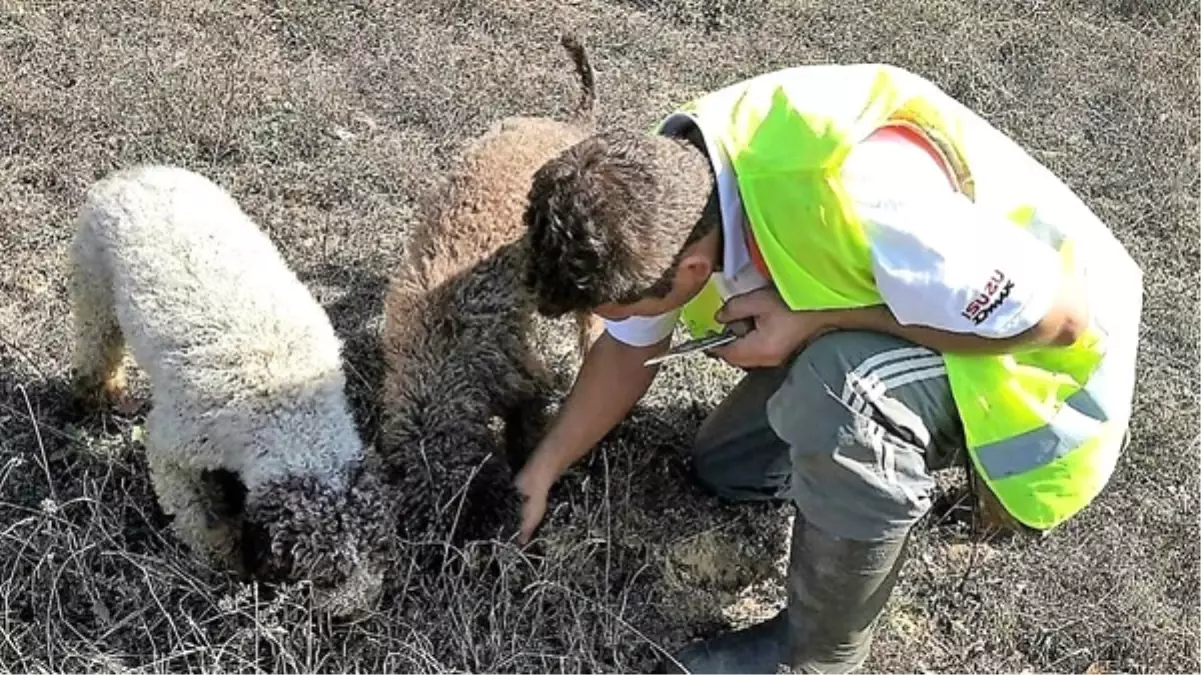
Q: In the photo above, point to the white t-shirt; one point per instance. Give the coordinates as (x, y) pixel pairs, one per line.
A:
(939, 260)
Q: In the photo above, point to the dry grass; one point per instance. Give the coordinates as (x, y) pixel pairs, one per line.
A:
(326, 119)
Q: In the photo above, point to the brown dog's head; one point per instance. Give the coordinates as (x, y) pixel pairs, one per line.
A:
(337, 537)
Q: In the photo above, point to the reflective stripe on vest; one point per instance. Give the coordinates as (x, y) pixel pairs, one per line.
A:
(1033, 428)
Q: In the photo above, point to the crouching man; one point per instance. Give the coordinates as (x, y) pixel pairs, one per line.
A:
(921, 292)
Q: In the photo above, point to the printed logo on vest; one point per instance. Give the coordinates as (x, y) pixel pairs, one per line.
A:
(996, 290)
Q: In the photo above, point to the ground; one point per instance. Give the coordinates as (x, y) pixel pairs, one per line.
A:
(327, 119)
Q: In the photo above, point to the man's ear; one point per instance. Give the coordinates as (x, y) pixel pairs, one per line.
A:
(694, 270)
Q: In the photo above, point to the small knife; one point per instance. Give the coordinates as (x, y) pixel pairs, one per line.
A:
(731, 333)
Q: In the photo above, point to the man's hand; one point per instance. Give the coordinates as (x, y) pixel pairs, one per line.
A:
(778, 333)
(533, 482)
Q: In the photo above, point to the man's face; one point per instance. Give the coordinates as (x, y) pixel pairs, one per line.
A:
(690, 278)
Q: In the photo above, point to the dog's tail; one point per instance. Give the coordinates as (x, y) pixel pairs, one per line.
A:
(585, 111)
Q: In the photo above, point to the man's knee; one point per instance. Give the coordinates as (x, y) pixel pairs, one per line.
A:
(707, 461)
(736, 455)
(752, 466)
(855, 473)
(707, 454)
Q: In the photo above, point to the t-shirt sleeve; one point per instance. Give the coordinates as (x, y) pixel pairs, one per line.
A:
(643, 331)
(943, 262)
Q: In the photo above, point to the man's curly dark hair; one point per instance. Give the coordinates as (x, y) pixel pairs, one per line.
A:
(608, 218)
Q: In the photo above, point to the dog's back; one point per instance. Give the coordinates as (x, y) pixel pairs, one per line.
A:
(478, 208)
(200, 292)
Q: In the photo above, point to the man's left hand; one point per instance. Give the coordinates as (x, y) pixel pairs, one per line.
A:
(778, 331)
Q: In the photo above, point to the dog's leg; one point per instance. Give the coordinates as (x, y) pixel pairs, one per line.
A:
(97, 372)
(186, 496)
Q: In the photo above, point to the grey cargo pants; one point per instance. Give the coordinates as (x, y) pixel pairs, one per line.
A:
(851, 430)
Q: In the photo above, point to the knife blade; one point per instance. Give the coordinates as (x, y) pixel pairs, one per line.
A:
(730, 334)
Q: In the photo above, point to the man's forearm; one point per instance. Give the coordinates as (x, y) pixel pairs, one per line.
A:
(610, 382)
(1063, 323)
(880, 320)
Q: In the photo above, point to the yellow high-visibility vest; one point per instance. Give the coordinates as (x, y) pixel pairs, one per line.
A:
(1034, 430)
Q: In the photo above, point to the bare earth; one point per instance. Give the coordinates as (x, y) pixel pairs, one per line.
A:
(326, 120)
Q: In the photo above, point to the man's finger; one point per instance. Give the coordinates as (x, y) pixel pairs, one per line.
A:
(735, 308)
(528, 525)
(734, 353)
(745, 306)
(531, 516)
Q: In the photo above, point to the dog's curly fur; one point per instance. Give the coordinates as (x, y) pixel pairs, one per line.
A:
(250, 442)
(457, 338)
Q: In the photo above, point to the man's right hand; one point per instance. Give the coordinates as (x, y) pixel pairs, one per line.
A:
(533, 483)
(610, 382)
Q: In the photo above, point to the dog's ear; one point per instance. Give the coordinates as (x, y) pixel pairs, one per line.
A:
(265, 525)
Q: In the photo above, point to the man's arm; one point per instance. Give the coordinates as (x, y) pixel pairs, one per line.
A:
(953, 277)
(780, 332)
(611, 380)
(1062, 325)
(958, 276)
